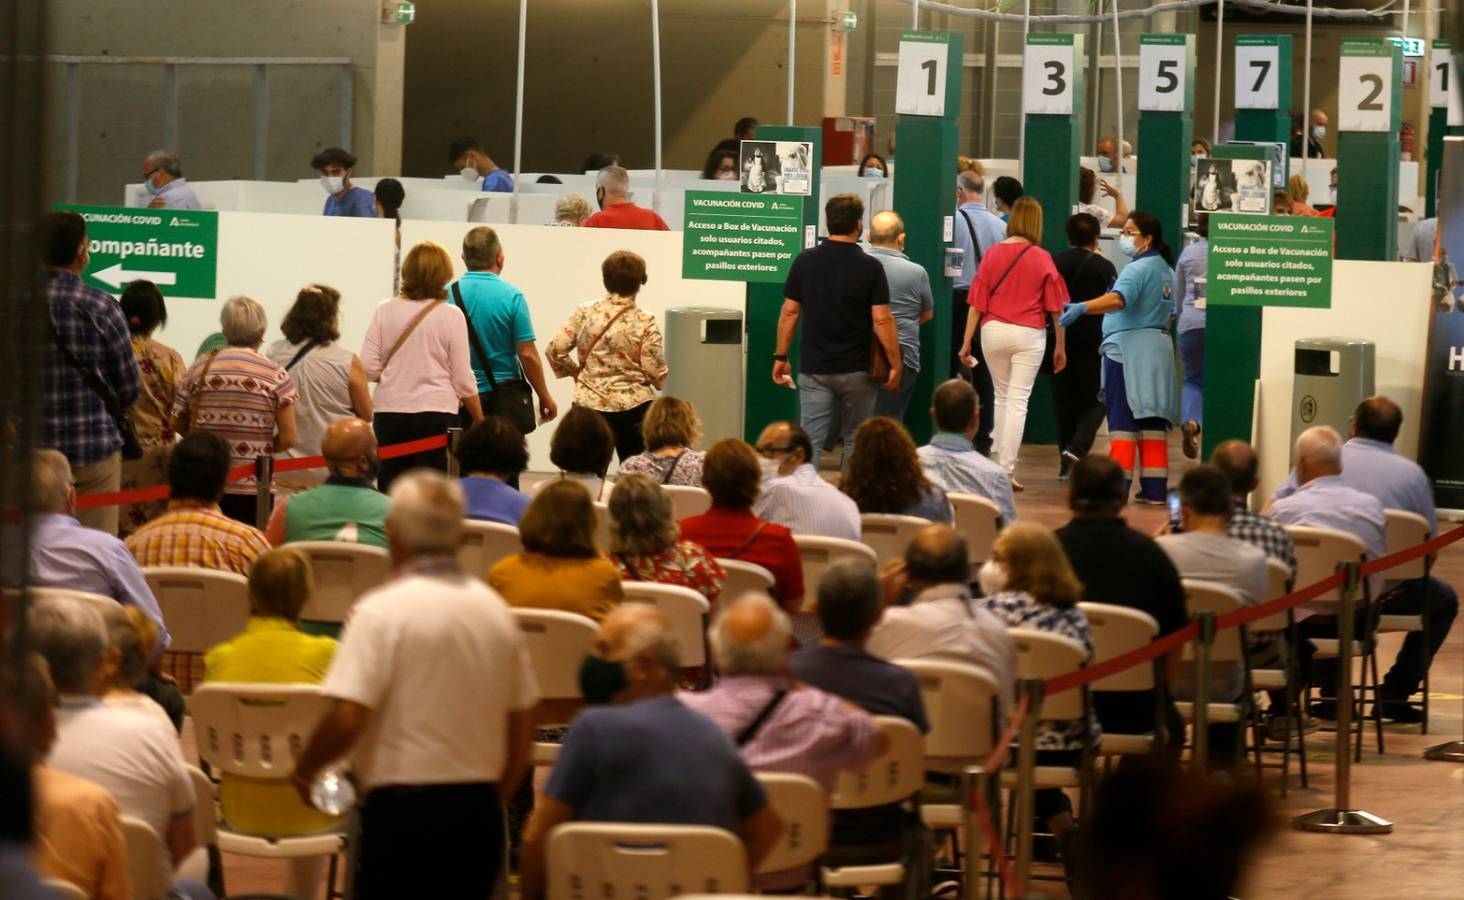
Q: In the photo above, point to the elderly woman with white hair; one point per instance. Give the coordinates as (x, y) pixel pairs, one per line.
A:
(248, 399)
(571, 210)
(646, 545)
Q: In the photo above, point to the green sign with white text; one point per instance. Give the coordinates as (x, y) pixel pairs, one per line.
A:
(742, 237)
(175, 249)
(1269, 261)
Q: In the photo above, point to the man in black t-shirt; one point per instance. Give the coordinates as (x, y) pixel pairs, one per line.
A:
(842, 297)
(1075, 388)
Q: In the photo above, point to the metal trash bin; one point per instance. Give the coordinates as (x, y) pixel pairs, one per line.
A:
(1331, 376)
(704, 356)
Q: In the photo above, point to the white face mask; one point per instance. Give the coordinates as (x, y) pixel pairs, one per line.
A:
(469, 173)
(769, 467)
(992, 577)
(332, 183)
(726, 175)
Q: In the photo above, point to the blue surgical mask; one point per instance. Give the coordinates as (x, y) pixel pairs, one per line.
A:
(332, 183)
(1195, 159)
(873, 173)
(1319, 131)
(147, 185)
(1105, 164)
(1127, 246)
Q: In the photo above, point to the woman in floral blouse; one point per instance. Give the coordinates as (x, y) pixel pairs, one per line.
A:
(645, 543)
(161, 368)
(621, 363)
(1029, 583)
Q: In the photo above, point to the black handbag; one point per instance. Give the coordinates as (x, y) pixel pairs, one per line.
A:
(512, 398)
(131, 447)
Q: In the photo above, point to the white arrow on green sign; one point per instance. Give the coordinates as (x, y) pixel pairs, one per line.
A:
(175, 249)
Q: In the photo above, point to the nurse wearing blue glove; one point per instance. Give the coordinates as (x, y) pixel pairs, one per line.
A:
(1138, 355)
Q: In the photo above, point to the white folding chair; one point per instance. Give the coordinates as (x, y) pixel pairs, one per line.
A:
(558, 642)
(1043, 655)
(1118, 630)
(1227, 654)
(804, 809)
(257, 731)
(895, 777)
(743, 577)
(101, 602)
(145, 860)
(818, 553)
(343, 572)
(1408, 529)
(686, 609)
(602, 526)
(888, 535)
(687, 500)
(978, 520)
(646, 862)
(206, 829)
(1284, 679)
(485, 543)
(203, 608)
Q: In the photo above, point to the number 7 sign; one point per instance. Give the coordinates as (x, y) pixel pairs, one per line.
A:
(1257, 76)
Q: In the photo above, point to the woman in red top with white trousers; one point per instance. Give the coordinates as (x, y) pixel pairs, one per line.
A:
(1015, 287)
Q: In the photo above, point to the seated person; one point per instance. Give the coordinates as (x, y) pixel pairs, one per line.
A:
(273, 650)
(671, 431)
(670, 764)
(951, 461)
(132, 643)
(491, 455)
(794, 494)
(347, 507)
(1242, 465)
(1088, 186)
(559, 568)
(884, 475)
(730, 529)
(581, 448)
(645, 545)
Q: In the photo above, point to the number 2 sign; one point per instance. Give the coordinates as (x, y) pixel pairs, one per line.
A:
(1365, 88)
(1048, 76)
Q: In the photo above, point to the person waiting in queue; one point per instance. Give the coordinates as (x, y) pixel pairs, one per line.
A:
(1189, 306)
(1138, 355)
(335, 165)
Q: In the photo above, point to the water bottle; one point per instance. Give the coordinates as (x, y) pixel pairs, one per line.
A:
(332, 792)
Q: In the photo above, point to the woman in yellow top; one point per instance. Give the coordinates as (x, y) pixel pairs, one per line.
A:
(560, 567)
(273, 650)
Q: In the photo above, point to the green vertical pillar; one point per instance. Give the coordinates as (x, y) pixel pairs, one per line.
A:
(767, 402)
(1166, 127)
(1233, 333)
(1369, 114)
(928, 98)
(1052, 101)
(1446, 115)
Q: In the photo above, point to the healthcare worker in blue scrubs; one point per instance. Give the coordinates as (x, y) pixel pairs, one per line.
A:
(345, 199)
(1138, 355)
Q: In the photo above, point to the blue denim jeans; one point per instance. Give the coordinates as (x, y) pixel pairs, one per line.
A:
(1192, 394)
(852, 394)
(894, 405)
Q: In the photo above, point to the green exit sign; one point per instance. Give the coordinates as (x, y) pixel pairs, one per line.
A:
(1411, 46)
(404, 13)
(851, 20)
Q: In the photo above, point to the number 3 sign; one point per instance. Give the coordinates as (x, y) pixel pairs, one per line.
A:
(1048, 75)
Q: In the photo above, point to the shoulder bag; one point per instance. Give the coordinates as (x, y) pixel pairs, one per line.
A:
(309, 345)
(747, 734)
(512, 398)
(407, 332)
(585, 356)
(131, 447)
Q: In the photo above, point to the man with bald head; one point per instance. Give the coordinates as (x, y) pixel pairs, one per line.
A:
(911, 303)
(347, 507)
(639, 754)
(793, 494)
(951, 460)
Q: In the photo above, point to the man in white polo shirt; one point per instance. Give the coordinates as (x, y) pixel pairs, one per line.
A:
(434, 691)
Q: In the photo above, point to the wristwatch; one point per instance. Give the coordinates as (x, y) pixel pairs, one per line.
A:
(780, 357)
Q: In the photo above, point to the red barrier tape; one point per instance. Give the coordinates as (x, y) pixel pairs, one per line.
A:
(239, 473)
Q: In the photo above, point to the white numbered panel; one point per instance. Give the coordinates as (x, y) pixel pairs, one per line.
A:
(1365, 94)
(1256, 76)
(920, 85)
(1047, 79)
(1441, 76)
(1161, 77)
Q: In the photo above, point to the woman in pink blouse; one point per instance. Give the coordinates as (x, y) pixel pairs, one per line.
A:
(417, 352)
(621, 362)
(1015, 287)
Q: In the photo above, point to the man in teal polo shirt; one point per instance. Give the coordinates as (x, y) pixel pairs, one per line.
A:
(347, 507)
(499, 315)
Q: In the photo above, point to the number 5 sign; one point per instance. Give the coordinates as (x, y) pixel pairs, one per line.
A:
(1367, 95)
(1050, 76)
(928, 82)
(1166, 70)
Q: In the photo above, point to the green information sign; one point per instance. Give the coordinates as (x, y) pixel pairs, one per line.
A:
(175, 249)
(742, 237)
(1270, 261)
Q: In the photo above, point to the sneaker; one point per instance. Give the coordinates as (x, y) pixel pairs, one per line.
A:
(1283, 728)
(1065, 465)
(1191, 432)
(1141, 500)
(1402, 711)
(1326, 710)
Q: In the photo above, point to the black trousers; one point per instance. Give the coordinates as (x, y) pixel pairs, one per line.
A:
(627, 427)
(396, 428)
(980, 376)
(1075, 402)
(437, 840)
(241, 508)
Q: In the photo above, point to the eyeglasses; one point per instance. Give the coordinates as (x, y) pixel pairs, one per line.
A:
(769, 452)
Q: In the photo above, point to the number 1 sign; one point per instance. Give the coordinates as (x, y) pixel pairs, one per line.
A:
(923, 81)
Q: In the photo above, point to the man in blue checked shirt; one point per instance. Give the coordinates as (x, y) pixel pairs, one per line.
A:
(89, 324)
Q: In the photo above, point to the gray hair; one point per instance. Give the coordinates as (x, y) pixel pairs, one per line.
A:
(426, 512)
(165, 160)
(614, 179)
(572, 208)
(849, 598)
(766, 655)
(243, 321)
(1321, 446)
(124, 637)
(971, 183)
(481, 247)
(654, 634)
(642, 520)
(72, 636)
(51, 482)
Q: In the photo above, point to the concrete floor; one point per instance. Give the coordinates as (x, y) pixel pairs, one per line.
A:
(1422, 859)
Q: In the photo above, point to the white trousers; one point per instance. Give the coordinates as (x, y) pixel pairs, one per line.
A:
(1013, 356)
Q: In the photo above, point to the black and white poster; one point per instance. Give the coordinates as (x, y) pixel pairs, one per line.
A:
(776, 167)
(1232, 186)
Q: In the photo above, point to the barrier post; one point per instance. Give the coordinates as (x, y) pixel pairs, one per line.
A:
(1026, 775)
(1200, 758)
(1342, 818)
(973, 780)
(264, 490)
(454, 438)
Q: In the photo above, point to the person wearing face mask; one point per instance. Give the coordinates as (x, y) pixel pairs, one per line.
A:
(1189, 306)
(873, 166)
(911, 305)
(1006, 191)
(162, 178)
(1108, 162)
(721, 165)
(1029, 583)
(1316, 129)
(671, 765)
(1199, 149)
(347, 507)
(1138, 355)
(612, 192)
(466, 155)
(794, 494)
(334, 165)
